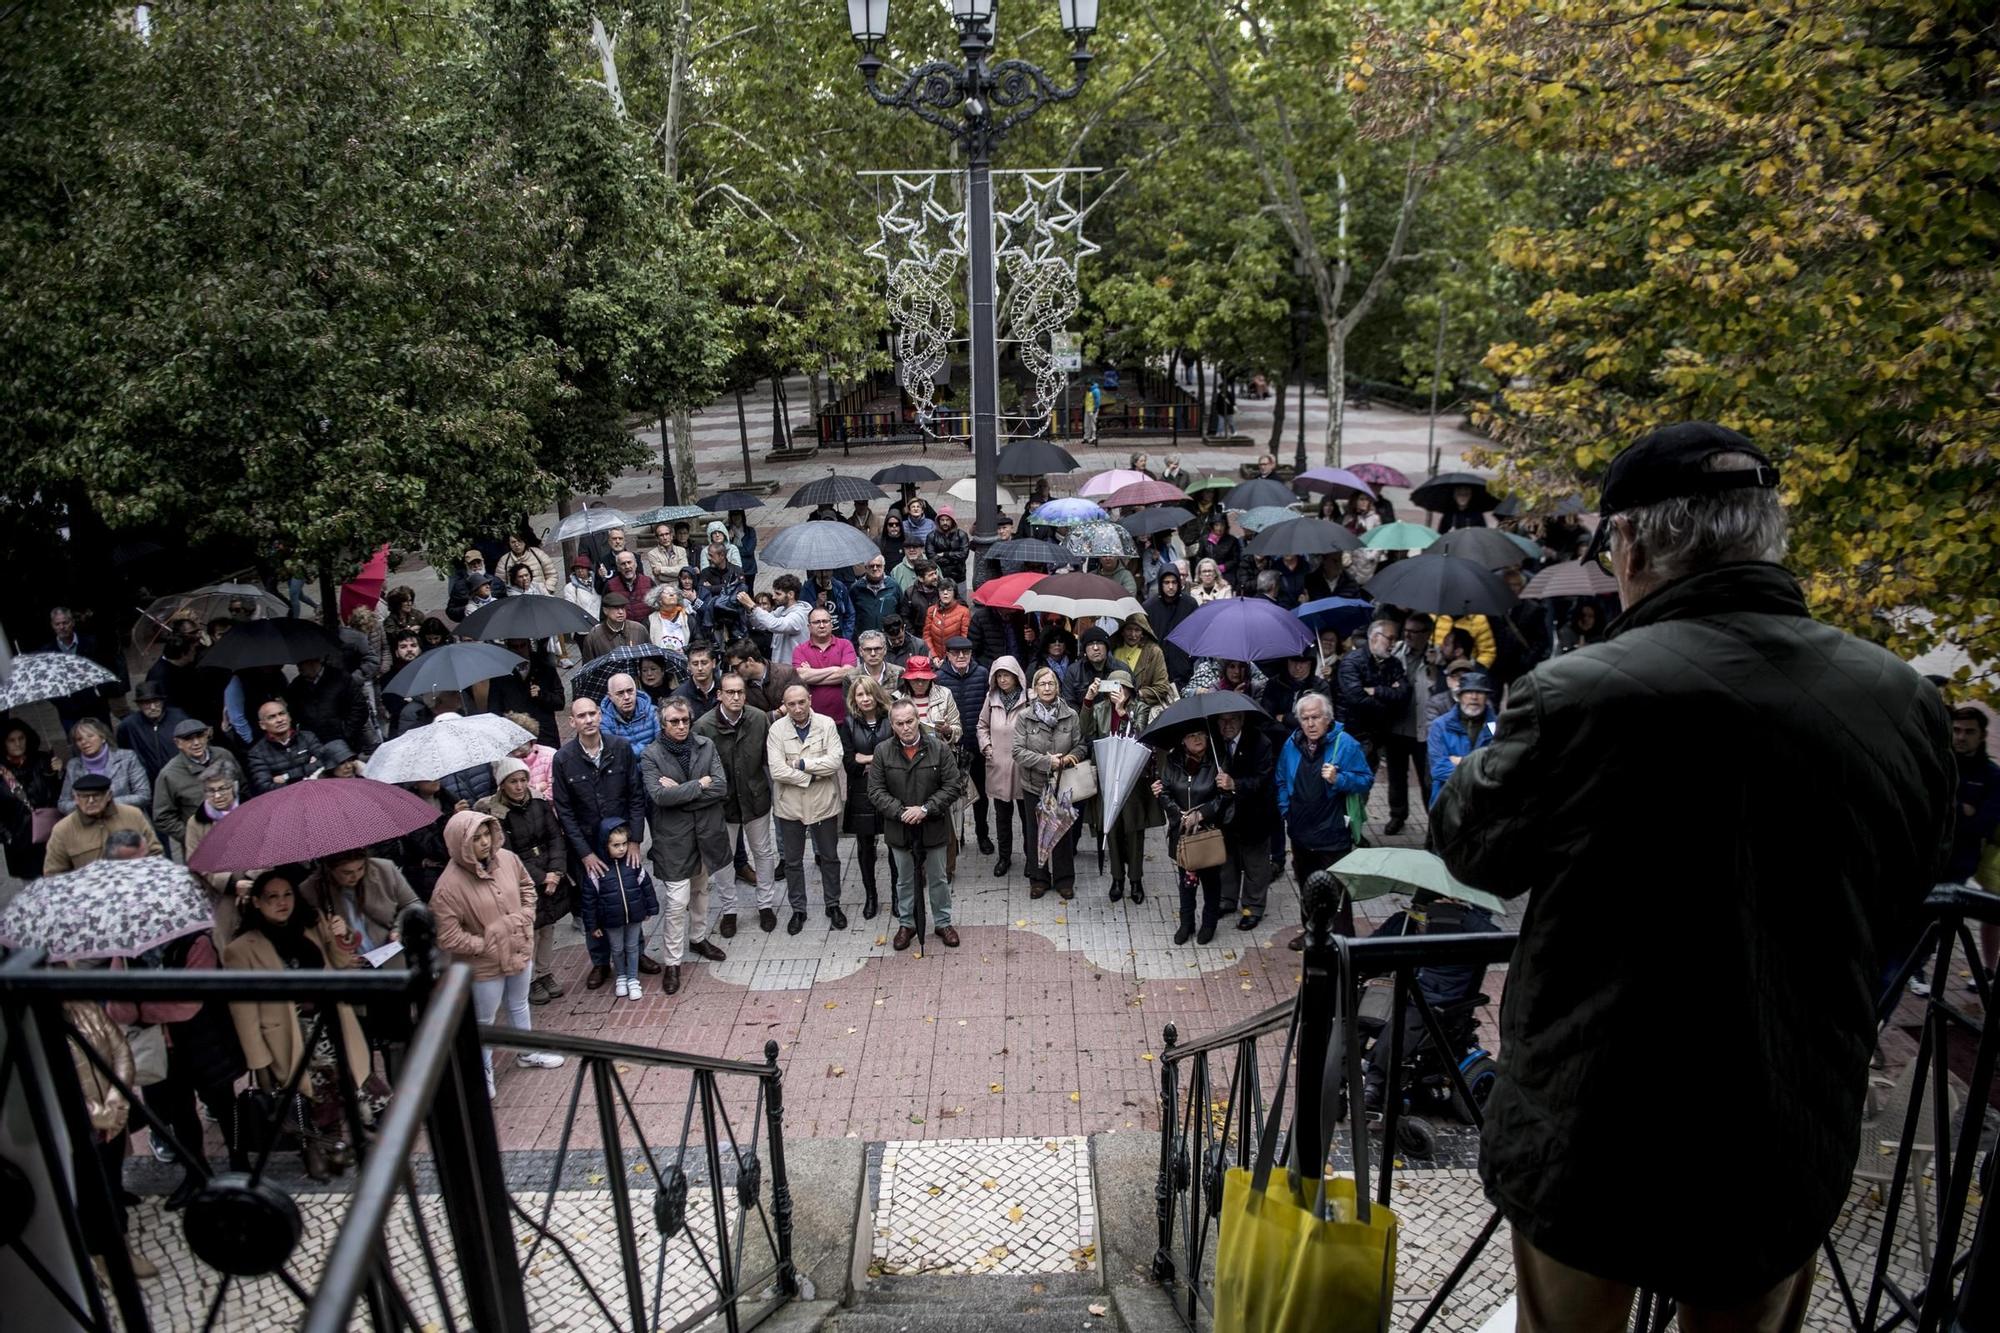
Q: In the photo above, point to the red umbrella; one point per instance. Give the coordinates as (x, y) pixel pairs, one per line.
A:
(1005, 591)
(308, 819)
(1379, 474)
(365, 588)
(1147, 492)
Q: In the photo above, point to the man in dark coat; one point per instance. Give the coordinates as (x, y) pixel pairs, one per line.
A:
(685, 784)
(1767, 911)
(1168, 608)
(913, 783)
(1249, 771)
(739, 730)
(283, 753)
(966, 679)
(325, 701)
(148, 731)
(595, 777)
(1374, 693)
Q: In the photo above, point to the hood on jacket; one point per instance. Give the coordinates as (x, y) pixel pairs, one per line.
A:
(604, 829)
(1136, 618)
(458, 831)
(1006, 662)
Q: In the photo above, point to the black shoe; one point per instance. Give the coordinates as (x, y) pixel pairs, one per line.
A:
(1066, 892)
(767, 920)
(836, 918)
(1206, 933)
(1002, 866)
(985, 845)
(727, 926)
(1138, 892)
(1184, 934)
(1117, 890)
(1298, 944)
(1250, 921)
(1395, 825)
(705, 949)
(796, 924)
(650, 966)
(870, 905)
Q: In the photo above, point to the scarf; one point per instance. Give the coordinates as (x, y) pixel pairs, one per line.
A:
(682, 751)
(101, 765)
(214, 815)
(1045, 713)
(1008, 698)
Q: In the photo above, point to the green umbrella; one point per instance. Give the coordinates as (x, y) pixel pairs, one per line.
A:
(1529, 546)
(1374, 871)
(1208, 484)
(1399, 537)
(1266, 516)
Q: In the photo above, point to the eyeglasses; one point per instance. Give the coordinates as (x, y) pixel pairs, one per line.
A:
(676, 721)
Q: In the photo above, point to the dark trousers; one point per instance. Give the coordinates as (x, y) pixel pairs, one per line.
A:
(1305, 861)
(1401, 754)
(976, 771)
(173, 1099)
(867, 847)
(825, 835)
(1060, 872)
(1209, 882)
(1006, 815)
(1246, 875)
(1127, 839)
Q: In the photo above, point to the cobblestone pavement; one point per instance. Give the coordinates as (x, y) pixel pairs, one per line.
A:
(1020, 1205)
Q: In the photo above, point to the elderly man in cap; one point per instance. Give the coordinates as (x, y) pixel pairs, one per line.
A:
(615, 630)
(78, 838)
(1768, 909)
(149, 731)
(177, 793)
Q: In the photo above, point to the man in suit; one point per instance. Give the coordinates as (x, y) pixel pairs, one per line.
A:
(595, 777)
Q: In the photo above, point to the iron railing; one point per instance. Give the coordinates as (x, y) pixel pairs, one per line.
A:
(245, 1228)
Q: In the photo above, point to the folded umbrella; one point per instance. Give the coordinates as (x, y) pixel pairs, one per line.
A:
(1197, 712)
(1005, 591)
(1121, 763)
(1029, 550)
(1055, 815)
(904, 474)
(1399, 537)
(1571, 578)
(525, 618)
(1145, 491)
(1379, 474)
(1244, 629)
(1098, 537)
(36, 676)
(1258, 492)
(1067, 512)
(452, 666)
(448, 745)
(1033, 458)
(834, 490)
(589, 519)
(1441, 584)
(724, 501)
(1074, 595)
(820, 545)
(278, 641)
(1336, 481)
(111, 908)
(593, 678)
(302, 821)
(1435, 493)
(1370, 872)
(1146, 522)
(365, 588)
(1302, 536)
(1342, 615)
(647, 518)
(1266, 516)
(1489, 548)
(1113, 479)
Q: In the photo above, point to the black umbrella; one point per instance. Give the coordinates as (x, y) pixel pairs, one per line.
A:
(1488, 548)
(1257, 492)
(1444, 585)
(723, 502)
(904, 474)
(1302, 536)
(1146, 522)
(451, 667)
(1034, 458)
(526, 618)
(834, 490)
(1029, 551)
(1434, 494)
(278, 641)
(1197, 712)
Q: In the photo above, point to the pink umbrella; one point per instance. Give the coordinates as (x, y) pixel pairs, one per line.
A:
(1379, 474)
(365, 588)
(1145, 491)
(1335, 481)
(308, 819)
(1104, 483)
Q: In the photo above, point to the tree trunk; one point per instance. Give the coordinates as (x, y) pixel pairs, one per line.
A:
(1201, 396)
(686, 475)
(606, 47)
(778, 439)
(564, 508)
(677, 77)
(329, 591)
(669, 489)
(1336, 388)
(1277, 444)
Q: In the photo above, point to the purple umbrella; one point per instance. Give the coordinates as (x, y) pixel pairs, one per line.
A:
(1251, 629)
(1379, 474)
(1334, 481)
(305, 820)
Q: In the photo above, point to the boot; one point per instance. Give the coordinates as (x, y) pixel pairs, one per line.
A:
(982, 829)
(1138, 892)
(314, 1160)
(1185, 933)
(870, 904)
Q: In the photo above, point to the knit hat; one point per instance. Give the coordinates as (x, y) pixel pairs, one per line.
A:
(1094, 635)
(507, 767)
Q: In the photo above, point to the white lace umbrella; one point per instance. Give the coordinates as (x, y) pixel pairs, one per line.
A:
(448, 745)
(50, 676)
(108, 909)
(1121, 763)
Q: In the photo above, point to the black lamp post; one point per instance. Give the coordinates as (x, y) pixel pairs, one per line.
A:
(976, 103)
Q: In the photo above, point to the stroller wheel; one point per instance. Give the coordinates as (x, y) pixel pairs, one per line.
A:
(1416, 1137)
(1479, 1076)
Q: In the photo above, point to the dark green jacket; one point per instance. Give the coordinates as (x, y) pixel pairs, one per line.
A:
(932, 780)
(1728, 815)
(741, 748)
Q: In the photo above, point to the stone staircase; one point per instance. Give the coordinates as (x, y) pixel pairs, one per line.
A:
(1042, 1303)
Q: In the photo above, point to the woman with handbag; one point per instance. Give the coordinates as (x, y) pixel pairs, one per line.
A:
(1194, 805)
(1048, 742)
(1119, 711)
(30, 779)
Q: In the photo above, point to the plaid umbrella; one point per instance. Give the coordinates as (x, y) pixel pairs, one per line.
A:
(834, 490)
(451, 744)
(51, 676)
(593, 678)
(1099, 537)
(108, 909)
(301, 821)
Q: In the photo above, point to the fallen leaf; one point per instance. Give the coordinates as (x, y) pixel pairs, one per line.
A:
(835, 1071)
(961, 1022)
(916, 1120)
(878, 1005)
(995, 1087)
(1062, 921)
(1244, 985)
(998, 1251)
(1145, 1055)
(935, 1190)
(929, 1018)
(1076, 1096)
(833, 1004)
(1015, 1214)
(595, 1178)
(989, 1184)
(1022, 922)
(852, 1031)
(881, 940)
(1242, 971)
(639, 1169)
(1098, 1308)
(1229, 955)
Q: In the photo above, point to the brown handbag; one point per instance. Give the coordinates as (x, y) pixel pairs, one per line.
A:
(1201, 850)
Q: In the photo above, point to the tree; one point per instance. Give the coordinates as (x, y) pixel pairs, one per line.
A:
(1794, 239)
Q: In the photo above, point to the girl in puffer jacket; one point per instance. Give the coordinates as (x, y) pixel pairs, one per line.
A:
(617, 905)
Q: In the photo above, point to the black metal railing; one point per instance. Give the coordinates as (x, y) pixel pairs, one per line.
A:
(243, 1227)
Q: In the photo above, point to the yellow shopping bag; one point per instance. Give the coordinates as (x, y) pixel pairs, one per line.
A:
(1279, 1268)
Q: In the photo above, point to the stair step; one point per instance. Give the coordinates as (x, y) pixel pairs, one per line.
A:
(912, 1320)
(984, 1291)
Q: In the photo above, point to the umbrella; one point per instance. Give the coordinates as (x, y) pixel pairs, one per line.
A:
(451, 744)
(1087, 540)
(526, 618)
(51, 676)
(304, 820)
(820, 545)
(1033, 458)
(1005, 591)
(108, 909)
(274, 642)
(450, 667)
(1067, 512)
(1029, 550)
(1054, 818)
(1571, 578)
(1530, 548)
(1257, 492)
(1486, 547)
(1197, 712)
(1146, 522)
(1144, 492)
(1441, 584)
(967, 488)
(1116, 479)
(1342, 615)
(593, 678)
(647, 518)
(1121, 763)
(1266, 516)
(904, 474)
(217, 601)
(589, 519)
(1249, 629)
(1379, 474)
(1511, 507)
(1076, 595)
(1399, 537)
(1209, 484)
(1303, 536)
(834, 490)
(1435, 493)
(1371, 872)
(724, 501)
(365, 588)
(1334, 481)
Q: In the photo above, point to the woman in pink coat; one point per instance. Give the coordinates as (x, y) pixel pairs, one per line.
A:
(1006, 698)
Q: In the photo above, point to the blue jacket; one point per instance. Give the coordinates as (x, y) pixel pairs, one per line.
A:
(872, 606)
(641, 730)
(836, 596)
(623, 896)
(1448, 739)
(1314, 810)
(969, 690)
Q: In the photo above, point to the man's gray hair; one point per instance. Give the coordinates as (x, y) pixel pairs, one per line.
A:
(869, 636)
(1313, 697)
(1267, 583)
(123, 840)
(1694, 532)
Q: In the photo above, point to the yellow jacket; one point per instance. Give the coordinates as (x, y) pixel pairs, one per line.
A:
(1485, 649)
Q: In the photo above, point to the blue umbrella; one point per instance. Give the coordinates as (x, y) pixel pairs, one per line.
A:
(1067, 512)
(1342, 615)
(1250, 629)
(1266, 516)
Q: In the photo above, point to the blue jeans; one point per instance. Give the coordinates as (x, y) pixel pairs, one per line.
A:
(626, 942)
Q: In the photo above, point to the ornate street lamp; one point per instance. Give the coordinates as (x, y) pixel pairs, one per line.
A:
(988, 99)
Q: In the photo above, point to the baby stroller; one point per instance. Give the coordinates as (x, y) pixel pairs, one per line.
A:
(1454, 994)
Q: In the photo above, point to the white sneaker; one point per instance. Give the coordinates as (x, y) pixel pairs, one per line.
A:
(489, 1086)
(619, 984)
(632, 991)
(539, 1060)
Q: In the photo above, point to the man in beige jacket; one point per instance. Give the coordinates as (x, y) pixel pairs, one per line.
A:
(804, 754)
(78, 838)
